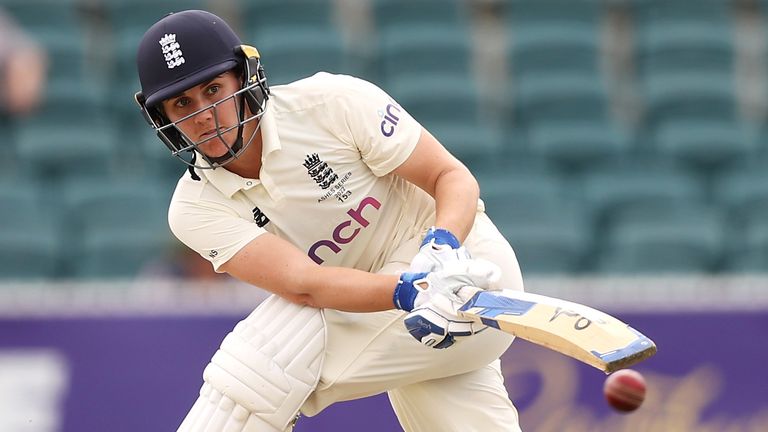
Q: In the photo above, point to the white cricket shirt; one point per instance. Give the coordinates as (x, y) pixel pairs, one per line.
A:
(329, 144)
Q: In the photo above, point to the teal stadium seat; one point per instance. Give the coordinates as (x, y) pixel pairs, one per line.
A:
(683, 37)
(706, 144)
(298, 38)
(568, 118)
(70, 63)
(115, 227)
(133, 14)
(560, 96)
(748, 248)
(30, 244)
(439, 98)
(124, 80)
(156, 158)
(547, 237)
(742, 190)
(693, 116)
(290, 53)
(680, 238)
(645, 12)
(553, 36)
(424, 38)
(426, 50)
(516, 184)
(690, 95)
(578, 144)
(450, 109)
(558, 93)
(402, 14)
(685, 46)
(36, 15)
(8, 140)
(536, 11)
(69, 136)
(685, 58)
(534, 48)
(654, 184)
(275, 14)
(530, 205)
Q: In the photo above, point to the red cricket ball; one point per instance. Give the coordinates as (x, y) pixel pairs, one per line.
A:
(624, 390)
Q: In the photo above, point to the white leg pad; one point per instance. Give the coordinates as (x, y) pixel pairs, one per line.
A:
(263, 372)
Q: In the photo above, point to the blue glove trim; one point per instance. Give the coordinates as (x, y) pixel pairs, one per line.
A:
(405, 293)
(441, 237)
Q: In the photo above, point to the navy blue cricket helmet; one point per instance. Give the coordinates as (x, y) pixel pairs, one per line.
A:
(183, 50)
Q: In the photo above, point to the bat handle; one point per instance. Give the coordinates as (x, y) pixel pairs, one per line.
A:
(467, 296)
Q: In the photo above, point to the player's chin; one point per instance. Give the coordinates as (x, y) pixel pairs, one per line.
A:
(214, 148)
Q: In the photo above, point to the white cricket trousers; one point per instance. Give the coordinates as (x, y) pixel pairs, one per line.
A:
(458, 389)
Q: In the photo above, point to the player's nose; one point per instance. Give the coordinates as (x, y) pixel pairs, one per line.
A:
(203, 117)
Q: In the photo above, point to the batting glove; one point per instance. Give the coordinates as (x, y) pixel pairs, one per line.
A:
(436, 324)
(434, 298)
(438, 248)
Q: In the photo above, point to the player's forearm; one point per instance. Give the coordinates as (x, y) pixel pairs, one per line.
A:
(456, 195)
(277, 266)
(348, 289)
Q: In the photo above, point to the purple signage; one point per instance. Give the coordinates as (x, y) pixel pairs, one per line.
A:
(708, 375)
(142, 373)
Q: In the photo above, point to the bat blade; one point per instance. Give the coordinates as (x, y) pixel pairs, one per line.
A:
(586, 334)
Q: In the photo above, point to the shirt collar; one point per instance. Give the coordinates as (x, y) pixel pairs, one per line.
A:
(269, 134)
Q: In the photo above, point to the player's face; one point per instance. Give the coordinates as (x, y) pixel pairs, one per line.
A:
(214, 128)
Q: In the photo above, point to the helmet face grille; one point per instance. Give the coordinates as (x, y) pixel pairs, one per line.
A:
(183, 50)
(180, 144)
(253, 95)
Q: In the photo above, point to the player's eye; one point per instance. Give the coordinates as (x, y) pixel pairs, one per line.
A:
(181, 102)
(213, 89)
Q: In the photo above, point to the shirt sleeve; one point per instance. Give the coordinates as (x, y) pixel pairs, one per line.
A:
(215, 232)
(374, 123)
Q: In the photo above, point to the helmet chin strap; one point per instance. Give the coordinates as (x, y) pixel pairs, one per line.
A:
(231, 154)
(237, 146)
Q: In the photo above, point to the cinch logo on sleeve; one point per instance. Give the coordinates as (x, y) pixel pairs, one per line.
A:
(390, 119)
(341, 234)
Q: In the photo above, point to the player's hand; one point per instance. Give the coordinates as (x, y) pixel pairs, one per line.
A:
(436, 324)
(438, 248)
(434, 298)
(416, 289)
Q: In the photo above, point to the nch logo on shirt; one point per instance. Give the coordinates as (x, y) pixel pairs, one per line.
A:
(338, 236)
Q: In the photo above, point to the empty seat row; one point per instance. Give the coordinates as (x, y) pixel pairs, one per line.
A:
(623, 217)
(82, 229)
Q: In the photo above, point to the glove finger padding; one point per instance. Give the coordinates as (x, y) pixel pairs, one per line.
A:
(434, 330)
(450, 281)
(429, 328)
(435, 257)
(437, 324)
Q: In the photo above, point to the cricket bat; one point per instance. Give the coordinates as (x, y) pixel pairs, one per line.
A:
(578, 331)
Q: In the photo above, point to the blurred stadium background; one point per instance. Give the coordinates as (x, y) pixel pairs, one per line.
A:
(621, 146)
